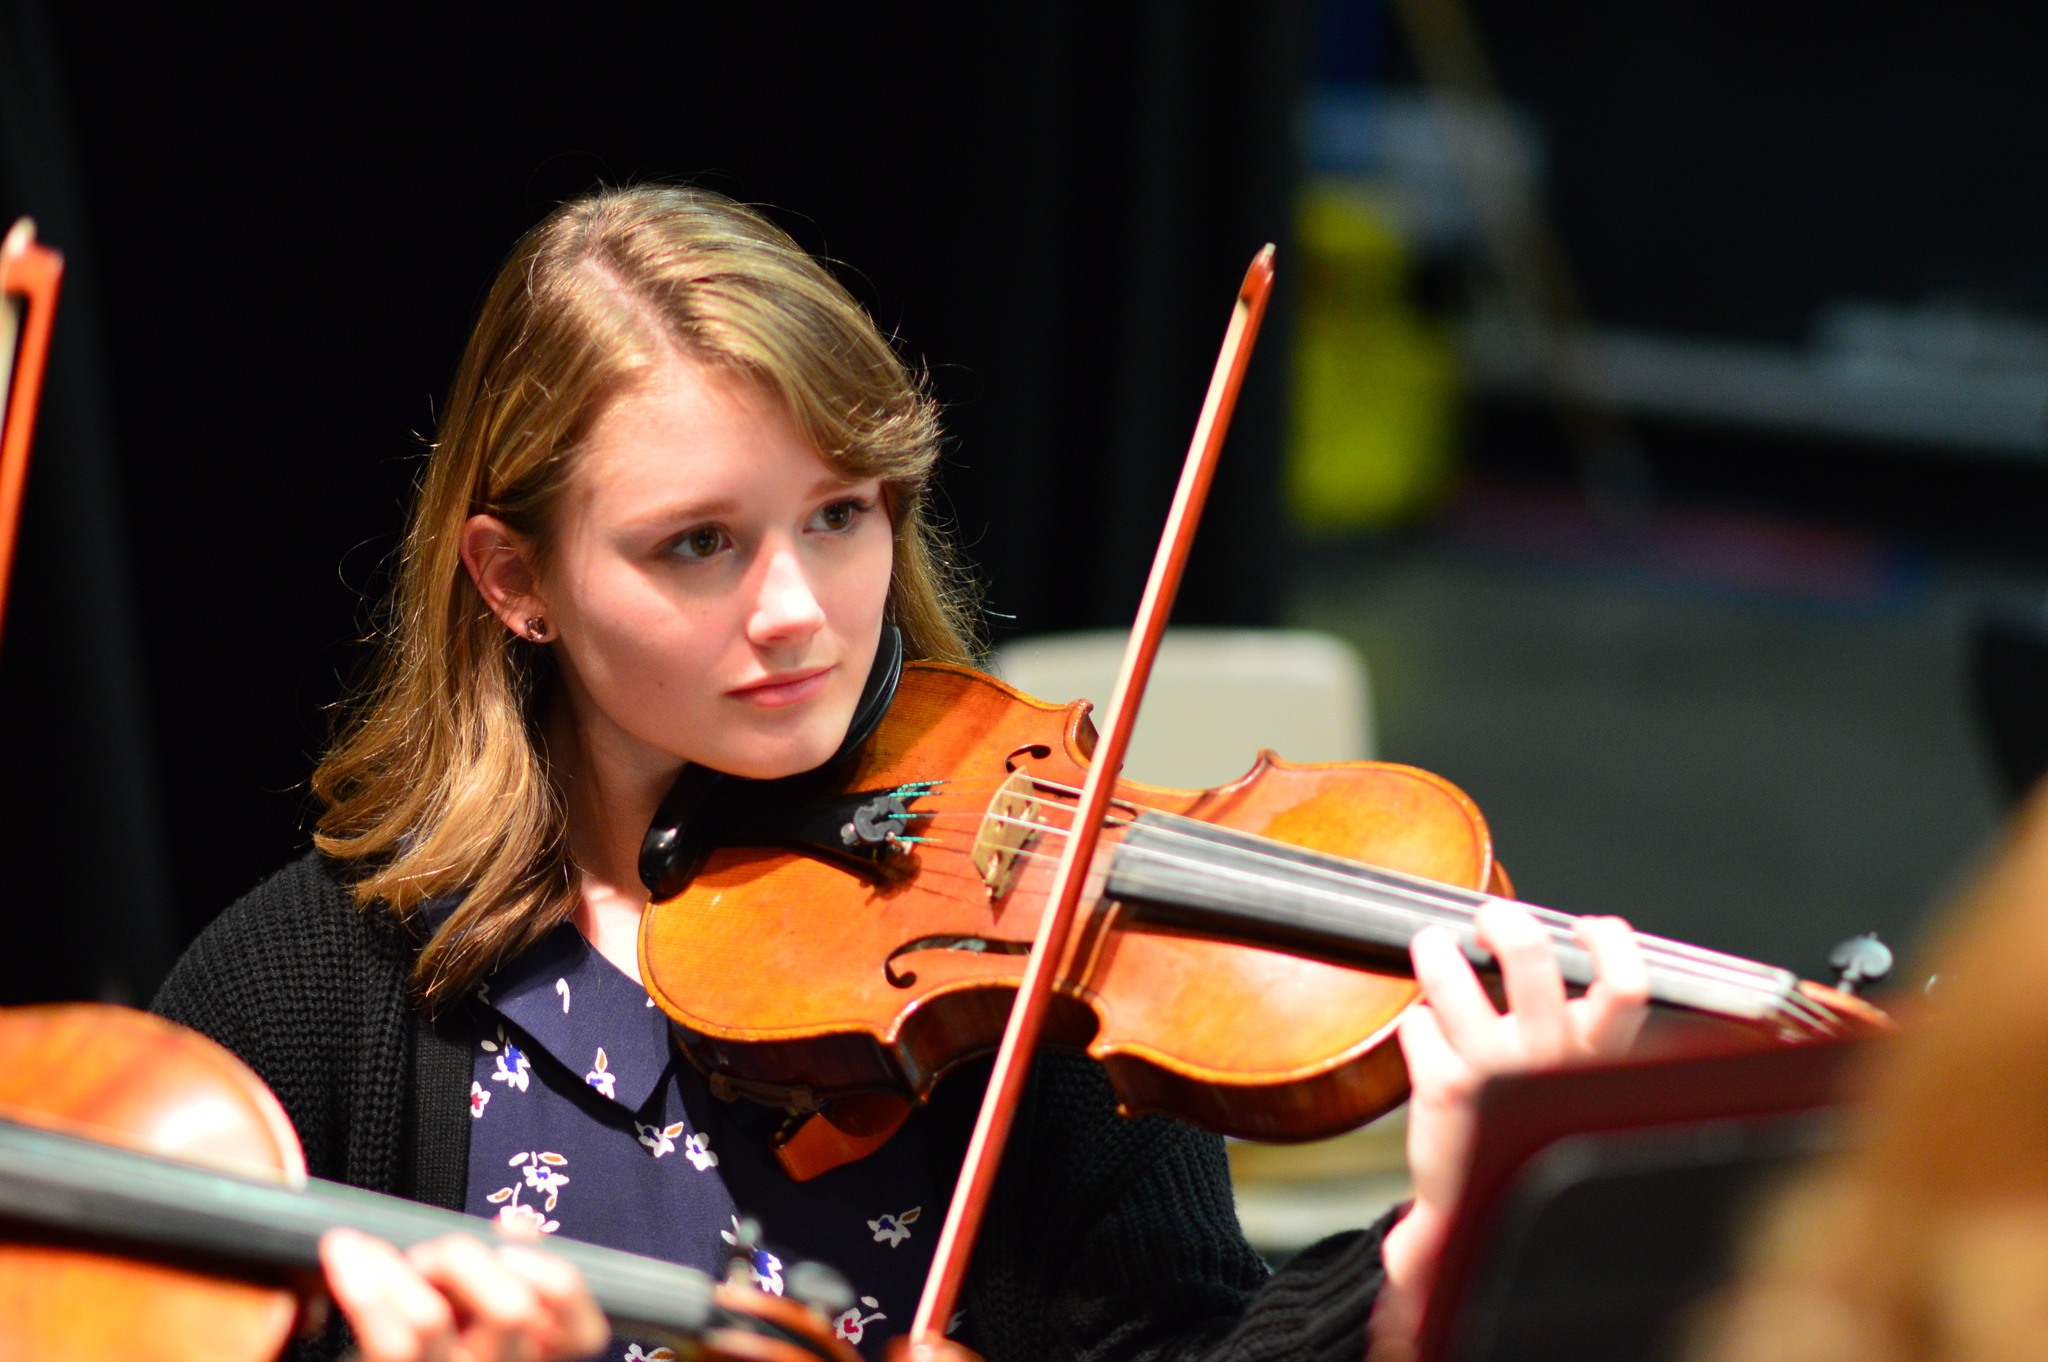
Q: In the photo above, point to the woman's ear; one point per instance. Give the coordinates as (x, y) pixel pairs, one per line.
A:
(500, 561)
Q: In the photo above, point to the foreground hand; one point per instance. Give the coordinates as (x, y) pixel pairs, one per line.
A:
(1455, 1039)
(458, 1299)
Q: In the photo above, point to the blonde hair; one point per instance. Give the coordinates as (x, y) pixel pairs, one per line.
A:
(438, 785)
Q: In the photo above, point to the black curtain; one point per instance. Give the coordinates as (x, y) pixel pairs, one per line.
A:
(84, 841)
(277, 244)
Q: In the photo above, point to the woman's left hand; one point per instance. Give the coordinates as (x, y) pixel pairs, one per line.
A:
(1455, 1039)
(459, 1299)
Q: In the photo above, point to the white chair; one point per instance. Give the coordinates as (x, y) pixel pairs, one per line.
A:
(1216, 697)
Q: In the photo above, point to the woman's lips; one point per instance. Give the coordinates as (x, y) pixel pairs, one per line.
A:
(789, 688)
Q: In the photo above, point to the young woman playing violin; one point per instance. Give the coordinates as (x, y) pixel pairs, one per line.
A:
(678, 489)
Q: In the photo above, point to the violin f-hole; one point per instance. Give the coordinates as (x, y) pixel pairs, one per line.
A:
(1036, 751)
(977, 945)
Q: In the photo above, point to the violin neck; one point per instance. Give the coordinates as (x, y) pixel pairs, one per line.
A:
(68, 1185)
(1185, 875)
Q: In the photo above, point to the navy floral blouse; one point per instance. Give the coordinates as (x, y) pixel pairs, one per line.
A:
(589, 1123)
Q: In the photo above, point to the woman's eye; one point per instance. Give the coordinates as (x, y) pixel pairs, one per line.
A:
(702, 542)
(841, 515)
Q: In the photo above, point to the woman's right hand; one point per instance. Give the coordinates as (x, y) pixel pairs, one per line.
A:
(459, 1299)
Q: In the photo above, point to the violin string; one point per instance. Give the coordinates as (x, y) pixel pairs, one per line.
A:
(1821, 1025)
(1436, 907)
(1798, 1019)
(1792, 1010)
(1412, 917)
(1674, 957)
(1820, 1018)
(1549, 915)
(1798, 1003)
(1432, 909)
(1427, 910)
(1653, 945)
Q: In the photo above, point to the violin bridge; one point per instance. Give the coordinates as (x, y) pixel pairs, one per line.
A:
(1008, 827)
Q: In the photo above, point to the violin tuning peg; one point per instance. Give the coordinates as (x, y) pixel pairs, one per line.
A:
(1860, 960)
(819, 1287)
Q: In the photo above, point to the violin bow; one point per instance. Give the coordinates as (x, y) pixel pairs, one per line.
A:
(926, 1339)
(29, 275)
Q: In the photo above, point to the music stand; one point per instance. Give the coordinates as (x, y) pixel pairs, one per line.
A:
(1603, 1201)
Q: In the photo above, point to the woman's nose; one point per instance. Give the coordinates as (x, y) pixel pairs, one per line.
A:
(785, 606)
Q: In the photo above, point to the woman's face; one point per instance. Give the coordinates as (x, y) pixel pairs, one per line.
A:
(714, 590)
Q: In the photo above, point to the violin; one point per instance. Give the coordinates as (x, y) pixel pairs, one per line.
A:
(1237, 957)
(1241, 960)
(153, 1197)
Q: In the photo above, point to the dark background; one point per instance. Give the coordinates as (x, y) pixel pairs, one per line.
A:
(1725, 170)
(277, 241)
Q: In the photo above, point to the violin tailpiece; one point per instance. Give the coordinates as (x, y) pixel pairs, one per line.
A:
(871, 832)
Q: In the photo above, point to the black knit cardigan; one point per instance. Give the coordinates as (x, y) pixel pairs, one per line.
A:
(1105, 1238)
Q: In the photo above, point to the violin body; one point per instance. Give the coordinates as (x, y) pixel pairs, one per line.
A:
(131, 1079)
(794, 977)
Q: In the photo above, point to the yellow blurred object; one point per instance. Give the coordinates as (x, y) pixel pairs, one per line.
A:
(1375, 382)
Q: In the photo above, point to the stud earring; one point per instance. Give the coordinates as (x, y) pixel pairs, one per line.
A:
(537, 629)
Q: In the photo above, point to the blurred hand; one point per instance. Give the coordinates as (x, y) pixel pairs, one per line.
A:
(458, 1299)
(1454, 1040)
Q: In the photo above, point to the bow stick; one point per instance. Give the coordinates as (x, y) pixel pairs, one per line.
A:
(926, 1340)
(29, 274)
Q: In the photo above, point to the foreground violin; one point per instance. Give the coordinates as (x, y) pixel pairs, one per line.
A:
(1242, 957)
(121, 1236)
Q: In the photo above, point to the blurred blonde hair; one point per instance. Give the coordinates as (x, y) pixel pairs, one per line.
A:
(1929, 1238)
(438, 784)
